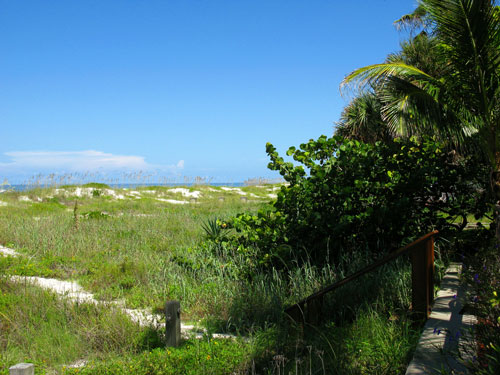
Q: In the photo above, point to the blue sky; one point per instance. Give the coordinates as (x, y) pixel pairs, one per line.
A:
(177, 87)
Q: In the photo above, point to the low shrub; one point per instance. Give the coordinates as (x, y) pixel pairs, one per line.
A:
(96, 185)
(347, 195)
(196, 357)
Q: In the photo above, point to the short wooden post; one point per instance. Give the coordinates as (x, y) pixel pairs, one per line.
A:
(22, 369)
(313, 311)
(221, 199)
(244, 199)
(422, 267)
(173, 323)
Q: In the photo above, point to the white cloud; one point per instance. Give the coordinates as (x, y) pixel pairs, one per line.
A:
(88, 160)
(72, 160)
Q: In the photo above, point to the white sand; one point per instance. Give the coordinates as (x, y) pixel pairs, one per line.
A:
(78, 192)
(75, 293)
(186, 193)
(8, 252)
(81, 192)
(78, 364)
(173, 201)
(113, 194)
(236, 190)
(25, 198)
(70, 289)
(226, 188)
(134, 194)
(88, 192)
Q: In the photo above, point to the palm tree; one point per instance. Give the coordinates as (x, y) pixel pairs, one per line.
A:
(361, 120)
(461, 96)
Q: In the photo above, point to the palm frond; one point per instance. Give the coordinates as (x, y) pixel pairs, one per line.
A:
(411, 109)
(470, 33)
(375, 76)
(362, 120)
(446, 81)
(412, 21)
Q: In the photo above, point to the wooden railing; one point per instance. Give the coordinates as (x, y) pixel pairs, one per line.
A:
(421, 253)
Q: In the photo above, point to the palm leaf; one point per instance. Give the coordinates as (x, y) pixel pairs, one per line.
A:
(376, 75)
(412, 21)
(470, 33)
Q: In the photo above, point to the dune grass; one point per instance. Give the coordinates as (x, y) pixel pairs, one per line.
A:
(40, 327)
(129, 251)
(145, 251)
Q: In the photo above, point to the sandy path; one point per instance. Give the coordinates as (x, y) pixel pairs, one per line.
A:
(8, 252)
(75, 293)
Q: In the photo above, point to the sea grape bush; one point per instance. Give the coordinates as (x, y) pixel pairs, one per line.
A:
(344, 195)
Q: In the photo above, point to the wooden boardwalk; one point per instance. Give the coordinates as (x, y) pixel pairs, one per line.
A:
(446, 332)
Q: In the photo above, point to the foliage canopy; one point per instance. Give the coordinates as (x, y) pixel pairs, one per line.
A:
(346, 195)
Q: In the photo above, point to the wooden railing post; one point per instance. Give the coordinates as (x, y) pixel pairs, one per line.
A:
(297, 313)
(422, 277)
(313, 311)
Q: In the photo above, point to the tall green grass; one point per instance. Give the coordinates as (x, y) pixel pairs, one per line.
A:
(40, 327)
(128, 253)
(147, 251)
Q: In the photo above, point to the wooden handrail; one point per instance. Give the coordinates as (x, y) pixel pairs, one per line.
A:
(299, 306)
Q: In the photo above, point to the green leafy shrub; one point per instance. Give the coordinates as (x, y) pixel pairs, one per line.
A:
(347, 195)
(96, 185)
(46, 207)
(193, 357)
(481, 272)
(27, 267)
(96, 215)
